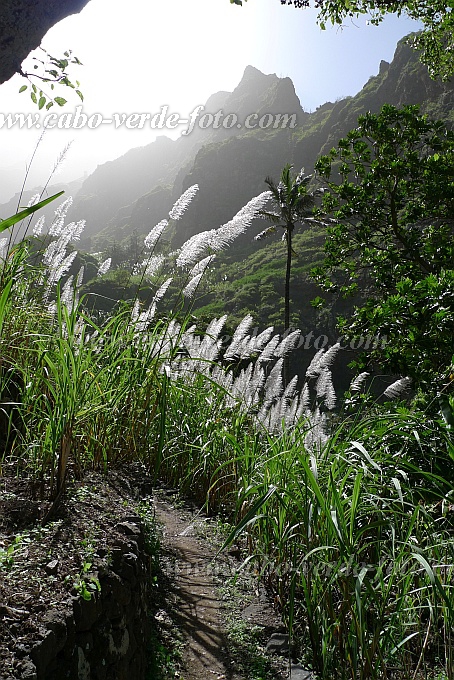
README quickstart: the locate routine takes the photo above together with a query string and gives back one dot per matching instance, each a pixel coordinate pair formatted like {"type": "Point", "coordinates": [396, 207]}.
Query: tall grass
{"type": "Point", "coordinates": [348, 519]}
{"type": "Point", "coordinates": [357, 544]}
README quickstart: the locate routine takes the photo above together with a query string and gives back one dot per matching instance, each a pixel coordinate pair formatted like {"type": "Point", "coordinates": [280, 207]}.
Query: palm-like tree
{"type": "Point", "coordinates": [292, 203]}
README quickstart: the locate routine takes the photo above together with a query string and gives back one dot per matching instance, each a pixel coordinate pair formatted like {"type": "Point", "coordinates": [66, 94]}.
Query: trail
{"type": "Point", "coordinates": [199, 611]}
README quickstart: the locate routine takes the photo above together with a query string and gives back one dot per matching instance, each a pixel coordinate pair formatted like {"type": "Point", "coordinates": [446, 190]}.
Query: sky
{"type": "Point", "coordinates": [141, 55]}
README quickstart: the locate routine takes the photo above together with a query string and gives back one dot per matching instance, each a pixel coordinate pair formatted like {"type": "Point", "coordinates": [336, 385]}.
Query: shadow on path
{"type": "Point", "coordinates": [193, 588]}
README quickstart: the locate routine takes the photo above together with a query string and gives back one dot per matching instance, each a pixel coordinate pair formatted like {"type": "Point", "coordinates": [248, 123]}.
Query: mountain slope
{"type": "Point", "coordinates": [230, 172]}
{"type": "Point", "coordinates": [112, 190]}
{"type": "Point", "coordinates": [135, 191]}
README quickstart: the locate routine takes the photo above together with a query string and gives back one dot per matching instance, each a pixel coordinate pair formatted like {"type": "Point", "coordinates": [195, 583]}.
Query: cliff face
{"type": "Point", "coordinates": [229, 174]}
{"type": "Point", "coordinates": [119, 183]}
{"type": "Point", "coordinates": [402, 82]}
{"type": "Point", "coordinates": [259, 93]}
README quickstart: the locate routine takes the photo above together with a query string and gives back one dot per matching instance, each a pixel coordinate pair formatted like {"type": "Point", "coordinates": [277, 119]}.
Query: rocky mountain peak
{"type": "Point", "coordinates": [260, 93]}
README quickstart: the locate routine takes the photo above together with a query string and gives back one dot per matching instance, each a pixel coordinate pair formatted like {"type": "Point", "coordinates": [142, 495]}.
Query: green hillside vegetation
{"type": "Point", "coordinates": [256, 284]}
{"type": "Point", "coordinates": [342, 505]}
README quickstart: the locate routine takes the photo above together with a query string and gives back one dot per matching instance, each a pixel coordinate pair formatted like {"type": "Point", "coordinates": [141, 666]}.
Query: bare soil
{"type": "Point", "coordinates": [43, 568]}
{"type": "Point", "coordinates": [198, 610]}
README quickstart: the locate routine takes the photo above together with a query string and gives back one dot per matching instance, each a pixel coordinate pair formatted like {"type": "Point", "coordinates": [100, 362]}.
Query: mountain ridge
{"type": "Point", "coordinates": [135, 191]}
{"type": "Point", "coordinates": [231, 164]}
{"type": "Point", "coordinates": [111, 187]}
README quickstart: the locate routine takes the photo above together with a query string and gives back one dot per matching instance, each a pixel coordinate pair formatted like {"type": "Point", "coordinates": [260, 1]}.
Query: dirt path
{"type": "Point", "coordinates": [199, 610]}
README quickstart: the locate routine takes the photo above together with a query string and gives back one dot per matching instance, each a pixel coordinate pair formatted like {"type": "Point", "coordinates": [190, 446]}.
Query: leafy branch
{"type": "Point", "coordinates": [53, 71]}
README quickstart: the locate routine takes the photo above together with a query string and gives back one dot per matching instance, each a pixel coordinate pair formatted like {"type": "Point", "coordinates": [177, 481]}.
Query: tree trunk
{"type": "Point", "coordinates": [288, 234]}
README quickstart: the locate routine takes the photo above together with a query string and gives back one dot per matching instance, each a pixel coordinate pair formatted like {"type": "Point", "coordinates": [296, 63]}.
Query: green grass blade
{"type": "Point", "coordinates": [10, 221]}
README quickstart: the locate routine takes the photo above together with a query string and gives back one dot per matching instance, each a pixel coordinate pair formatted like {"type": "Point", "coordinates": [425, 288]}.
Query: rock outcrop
{"type": "Point", "coordinates": [23, 24]}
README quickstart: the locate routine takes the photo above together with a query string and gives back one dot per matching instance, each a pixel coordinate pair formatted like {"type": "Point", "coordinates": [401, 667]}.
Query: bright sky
{"type": "Point", "coordinates": [141, 55]}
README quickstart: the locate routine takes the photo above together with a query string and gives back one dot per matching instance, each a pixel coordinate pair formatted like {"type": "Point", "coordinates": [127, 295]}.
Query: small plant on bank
{"type": "Point", "coordinates": [7, 554]}
{"type": "Point", "coordinates": [85, 585]}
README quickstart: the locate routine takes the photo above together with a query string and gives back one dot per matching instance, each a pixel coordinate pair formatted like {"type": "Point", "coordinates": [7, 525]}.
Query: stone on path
{"type": "Point", "coordinates": [299, 673]}
{"type": "Point", "coordinates": [278, 644]}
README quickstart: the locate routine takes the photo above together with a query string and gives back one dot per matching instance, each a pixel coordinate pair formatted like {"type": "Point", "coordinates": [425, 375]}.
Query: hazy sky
{"type": "Point", "coordinates": [141, 55]}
